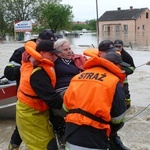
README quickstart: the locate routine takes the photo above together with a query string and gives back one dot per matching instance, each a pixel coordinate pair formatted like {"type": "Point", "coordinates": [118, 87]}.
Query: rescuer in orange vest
{"type": "Point", "coordinates": [105, 47]}
{"type": "Point", "coordinates": [36, 94]}
{"type": "Point", "coordinates": [95, 104]}
{"type": "Point", "coordinates": [12, 72]}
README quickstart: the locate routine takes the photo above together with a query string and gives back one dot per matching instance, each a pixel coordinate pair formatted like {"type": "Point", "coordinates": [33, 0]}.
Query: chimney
{"type": "Point", "coordinates": [119, 8]}
{"type": "Point", "coordinates": [131, 7]}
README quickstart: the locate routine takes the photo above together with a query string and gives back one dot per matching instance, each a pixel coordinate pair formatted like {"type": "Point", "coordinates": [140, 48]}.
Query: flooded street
{"type": "Point", "coordinates": [6, 129]}
{"type": "Point", "coordinates": [135, 133]}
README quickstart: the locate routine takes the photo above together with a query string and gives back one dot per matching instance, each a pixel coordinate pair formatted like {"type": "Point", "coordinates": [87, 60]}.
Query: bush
{"type": "Point", "coordinates": [90, 25]}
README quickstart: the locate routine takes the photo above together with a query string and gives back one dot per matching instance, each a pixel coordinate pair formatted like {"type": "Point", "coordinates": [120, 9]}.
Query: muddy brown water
{"type": "Point", "coordinates": [135, 133]}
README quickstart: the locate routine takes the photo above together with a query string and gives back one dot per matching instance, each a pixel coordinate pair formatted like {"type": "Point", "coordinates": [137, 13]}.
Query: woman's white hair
{"type": "Point", "coordinates": [59, 43]}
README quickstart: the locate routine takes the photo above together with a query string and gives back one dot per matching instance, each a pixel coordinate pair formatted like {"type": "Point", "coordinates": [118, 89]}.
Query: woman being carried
{"type": "Point", "coordinates": [67, 65]}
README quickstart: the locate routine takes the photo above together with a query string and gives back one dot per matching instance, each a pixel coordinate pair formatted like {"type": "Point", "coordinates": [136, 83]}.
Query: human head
{"type": "Point", "coordinates": [118, 44]}
{"type": "Point", "coordinates": [45, 35]}
{"type": "Point", "coordinates": [58, 36]}
{"type": "Point", "coordinates": [46, 49]}
{"type": "Point", "coordinates": [105, 47]}
{"type": "Point", "coordinates": [116, 59]}
{"type": "Point", "coordinates": [63, 45]}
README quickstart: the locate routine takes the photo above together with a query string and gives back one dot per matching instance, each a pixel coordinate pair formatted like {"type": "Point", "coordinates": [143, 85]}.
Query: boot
{"type": "Point", "coordinates": [128, 106]}
{"type": "Point", "coordinates": [115, 139]}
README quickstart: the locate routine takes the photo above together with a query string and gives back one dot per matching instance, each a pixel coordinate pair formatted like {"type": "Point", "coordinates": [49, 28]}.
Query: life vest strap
{"type": "Point", "coordinates": [87, 114]}
{"type": "Point", "coordinates": [34, 97]}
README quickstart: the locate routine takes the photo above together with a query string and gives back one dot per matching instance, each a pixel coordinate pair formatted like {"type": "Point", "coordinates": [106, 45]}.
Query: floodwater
{"type": "Point", "coordinates": [135, 134]}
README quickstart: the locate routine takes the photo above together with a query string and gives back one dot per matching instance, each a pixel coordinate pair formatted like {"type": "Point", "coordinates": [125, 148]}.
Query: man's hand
{"type": "Point", "coordinates": [25, 56]}
{"type": "Point", "coordinates": [34, 62]}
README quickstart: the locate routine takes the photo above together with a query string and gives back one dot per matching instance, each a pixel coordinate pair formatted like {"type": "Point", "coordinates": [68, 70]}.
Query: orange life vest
{"type": "Point", "coordinates": [25, 92]}
{"type": "Point", "coordinates": [91, 52]}
{"type": "Point", "coordinates": [91, 93]}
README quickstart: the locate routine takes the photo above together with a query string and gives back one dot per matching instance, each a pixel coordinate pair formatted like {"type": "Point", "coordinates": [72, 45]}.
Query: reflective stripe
{"type": "Point", "coordinates": [64, 107]}
{"type": "Point", "coordinates": [61, 89]}
{"type": "Point", "coordinates": [119, 119]}
{"type": "Point", "coordinates": [128, 99]}
{"type": "Point", "coordinates": [37, 68]}
{"type": "Point", "coordinates": [74, 147]}
{"type": "Point", "coordinates": [14, 63]}
{"type": "Point", "coordinates": [132, 68]}
{"type": "Point", "coordinates": [11, 65]}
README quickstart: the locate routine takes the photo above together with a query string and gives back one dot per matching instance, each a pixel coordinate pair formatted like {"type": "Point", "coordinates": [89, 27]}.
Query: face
{"type": "Point", "coordinates": [101, 54]}
{"type": "Point", "coordinates": [38, 41]}
{"type": "Point", "coordinates": [50, 56]}
{"type": "Point", "coordinates": [66, 51]}
{"type": "Point", "coordinates": [119, 47]}
{"type": "Point", "coordinates": [52, 39]}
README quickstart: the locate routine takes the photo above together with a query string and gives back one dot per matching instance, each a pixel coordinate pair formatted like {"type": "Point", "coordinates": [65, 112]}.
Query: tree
{"type": "Point", "coordinates": [20, 10]}
{"type": "Point", "coordinates": [77, 26]}
{"type": "Point", "coordinates": [56, 16]}
{"type": "Point", "coordinates": [92, 24]}
{"type": "Point", "coordinates": [3, 25]}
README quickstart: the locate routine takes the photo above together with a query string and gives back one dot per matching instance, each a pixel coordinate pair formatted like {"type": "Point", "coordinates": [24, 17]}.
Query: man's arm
{"type": "Point", "coordinates": [12, 70]}
{"type": "Point", "coordinates": [17, 55]}
{"type": "Point", "coordinates": [118, 109]}
{"type": "Point", "coordinates": [41, 84]}
{"type": "Point", "coordinates": [126, 57]}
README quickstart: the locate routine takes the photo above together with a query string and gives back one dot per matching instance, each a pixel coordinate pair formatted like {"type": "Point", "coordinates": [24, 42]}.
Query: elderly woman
{"type": "Point", "coordinates": [67, 65]}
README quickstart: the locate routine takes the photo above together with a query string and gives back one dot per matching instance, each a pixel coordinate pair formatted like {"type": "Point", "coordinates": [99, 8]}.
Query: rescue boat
{"type": "Point", "coordinates": [7, 99]}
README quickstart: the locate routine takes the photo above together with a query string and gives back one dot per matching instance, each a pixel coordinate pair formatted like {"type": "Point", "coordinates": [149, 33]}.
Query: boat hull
{"type": "Point", "coordinates": [8, 101]}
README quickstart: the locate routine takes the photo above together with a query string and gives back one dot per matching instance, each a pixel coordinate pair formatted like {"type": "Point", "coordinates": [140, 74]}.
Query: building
{"type": "Point", "coordinates": [127, 21]}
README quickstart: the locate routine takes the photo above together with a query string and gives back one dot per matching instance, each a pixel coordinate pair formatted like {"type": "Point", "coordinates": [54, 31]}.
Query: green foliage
{"type": "Point", "coordinates": [3, 25]}
{"type": "Point", "coordinates": [90, 25]}
{"type": "Point", "coordinates": [50, 14]}
{"type": "Point", "coordinates": [19, 10]}
{"type": "Point", "coordinates": [77, 26]}
{"type": "Point", "coordinates": [56, 16]}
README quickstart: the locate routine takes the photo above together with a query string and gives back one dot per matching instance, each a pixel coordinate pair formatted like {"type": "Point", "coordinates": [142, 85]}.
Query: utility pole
{"type": "Point", "coordinates": [97, 24]}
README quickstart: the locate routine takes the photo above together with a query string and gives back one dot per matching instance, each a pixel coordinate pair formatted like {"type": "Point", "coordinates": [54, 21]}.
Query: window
{"type": "Point", "coordinates": [143, 27]}
{"type": "Point", "coordinates": [105, 29]}
{"type": "Point", "coordinates": [117, 28]}
{"type": "Point", "coordinates": [125, 27]}
{"type": "Point", "coordinates": [147, 15]}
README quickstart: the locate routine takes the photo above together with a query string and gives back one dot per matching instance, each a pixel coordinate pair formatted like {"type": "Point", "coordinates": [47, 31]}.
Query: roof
{"type": "Point", "coordinates": [128, 14]}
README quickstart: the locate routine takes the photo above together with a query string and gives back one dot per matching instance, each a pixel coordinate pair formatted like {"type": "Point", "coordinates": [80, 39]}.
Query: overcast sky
{"type": "Point", "coordinates": [86, 9]}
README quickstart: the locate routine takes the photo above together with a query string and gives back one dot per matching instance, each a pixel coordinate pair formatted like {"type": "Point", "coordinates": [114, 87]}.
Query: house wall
{"type": "Point", "coordinates": [117, 26]}
{"type": "Point", "coordinates": [142, 24]}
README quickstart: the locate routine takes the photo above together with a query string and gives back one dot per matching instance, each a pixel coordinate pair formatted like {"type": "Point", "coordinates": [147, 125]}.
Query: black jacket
{"type": "Point", "coordinates": [12, 71]}
{"type": "Point", "coordinates": [126, 57]}
{"type": "Point", "coordinates": [41, 84]}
